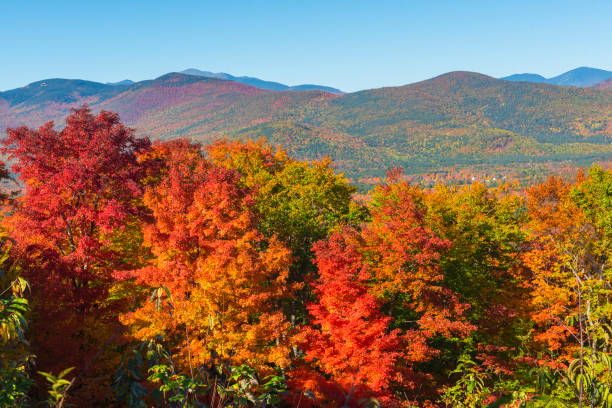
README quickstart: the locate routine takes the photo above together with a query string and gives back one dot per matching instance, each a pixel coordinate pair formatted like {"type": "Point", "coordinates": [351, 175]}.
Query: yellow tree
{"type": "Point", "coordinates": [571, 291]}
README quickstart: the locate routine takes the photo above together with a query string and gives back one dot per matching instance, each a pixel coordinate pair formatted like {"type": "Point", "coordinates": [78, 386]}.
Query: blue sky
{"type": "Point", "coordinates": [350, 45]}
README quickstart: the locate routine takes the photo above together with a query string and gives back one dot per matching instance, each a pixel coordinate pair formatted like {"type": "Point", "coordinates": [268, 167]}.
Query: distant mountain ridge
{"type": "Point", "coordinates": [579, 77]}
{"type": "Point", "coordinates": [260, 83]}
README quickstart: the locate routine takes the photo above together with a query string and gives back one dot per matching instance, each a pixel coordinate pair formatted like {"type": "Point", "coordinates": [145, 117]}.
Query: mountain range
{"type": "Point", "coordinates": [459, 120]}
{"type": "Point", "coordinates": [580, 77]}
{"type": "Point", "coordinates": [256, 82]}
{"type": "Point", "coordinates": [260, 83]}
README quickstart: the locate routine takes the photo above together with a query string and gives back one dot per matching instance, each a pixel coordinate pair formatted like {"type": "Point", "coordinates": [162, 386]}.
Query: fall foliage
{"type": "Point", "coordinates": [171, 274]}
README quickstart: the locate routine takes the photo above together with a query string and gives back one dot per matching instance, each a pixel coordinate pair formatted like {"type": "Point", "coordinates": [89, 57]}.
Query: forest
{"type": "Point", "coordinates": [139, 273]}
{"type": "Point", "coordinates": [467, 122]}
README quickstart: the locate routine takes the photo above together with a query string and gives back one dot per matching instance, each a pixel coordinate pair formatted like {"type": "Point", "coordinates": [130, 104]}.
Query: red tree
{"type": "Point", "coordinates": [75, 222]}
{"type": "Point", "coordinates": [351, 343]}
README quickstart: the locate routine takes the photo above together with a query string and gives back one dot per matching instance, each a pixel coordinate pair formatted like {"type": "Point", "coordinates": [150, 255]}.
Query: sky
{"type": "Point", "coordinates": [350, 45]}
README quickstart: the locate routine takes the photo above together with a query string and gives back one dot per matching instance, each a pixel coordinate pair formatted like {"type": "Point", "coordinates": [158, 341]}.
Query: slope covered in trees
{"type": "Point", "coordinates": [138, 274]}
{"type": "Point", "coordinates": [460, 120]}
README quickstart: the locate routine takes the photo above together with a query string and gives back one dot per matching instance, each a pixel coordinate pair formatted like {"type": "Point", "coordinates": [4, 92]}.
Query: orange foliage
{"type": "Point", "coordinates": [225, 285]}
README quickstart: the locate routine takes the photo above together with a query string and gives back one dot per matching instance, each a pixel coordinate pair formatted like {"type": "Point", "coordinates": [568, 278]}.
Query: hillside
{"type": "Point", "coordinates": [459, 120]}
{"type": "Point", "coordinates": [607, 84]}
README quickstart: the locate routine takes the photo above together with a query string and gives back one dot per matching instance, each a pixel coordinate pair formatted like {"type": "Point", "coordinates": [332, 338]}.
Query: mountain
{"type": "Point", "coordinates": [526, 78]}
{"type": "Point", "coordinates": [580, 77]}
{"type": "Point", "coordinates": [583, 76]}
{"type": "Point", "coordinates": [456, 122]}
{"type": "Point", "coordinates": [607, 84]}
{"type": "Point", "coordinates": [259, 83]}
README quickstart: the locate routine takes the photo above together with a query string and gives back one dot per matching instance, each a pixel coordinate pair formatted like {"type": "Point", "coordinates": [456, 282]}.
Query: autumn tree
{"type": "Point", "coordinates": [224, 283]}
{"type": "Point", "coordinates": [404, 253]}
{"type": "Point", "coordinates": [301, 202]}
{"type": "Point", "coordinates": [77, 208]}
{"type": "Point", "coordinates": [349, 341]}
{"type": "Point", "coordinates": [556, 231]}
{"type": "Point", "coordinates": [392, 263]}
{"type": "Point", "coordinates": [569, 262]}
{"type": "Point", "coordinates": [483, 267]}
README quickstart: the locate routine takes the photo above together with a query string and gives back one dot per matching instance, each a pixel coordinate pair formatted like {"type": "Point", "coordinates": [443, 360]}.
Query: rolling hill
{"type": "Point", "coordinates": [459, 120]}
{"type": "Point", "coordinates": [580, 77]}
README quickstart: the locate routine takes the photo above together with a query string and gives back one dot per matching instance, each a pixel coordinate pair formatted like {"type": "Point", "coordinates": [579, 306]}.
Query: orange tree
{"type": "Point", "coordinates": [570, 299]}
{"type": "Point", "coordinates": [219, 284]}
{"type": "Point", "coordinates": [349, 341]}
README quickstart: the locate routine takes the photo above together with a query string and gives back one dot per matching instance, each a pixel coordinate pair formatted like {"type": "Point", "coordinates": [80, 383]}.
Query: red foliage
{"type": "Point", "coordinates": [351, 342]}
{"type": "Point", "coordinates": [81, 186]}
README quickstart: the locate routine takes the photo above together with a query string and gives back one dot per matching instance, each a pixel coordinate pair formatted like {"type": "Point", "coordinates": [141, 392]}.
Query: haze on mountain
{"type": "Point", "coordinates": [579, 77]}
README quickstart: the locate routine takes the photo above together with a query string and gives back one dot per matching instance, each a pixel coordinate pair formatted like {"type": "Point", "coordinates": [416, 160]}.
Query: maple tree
{"type": "Point", "coordinates": [404, 253]}
{"type": "Point", "coordinates": [392, 263]}
{"type": "Point", "coordinates": [349, 339]}
{"type": "Point", "coordinates": [483, 267]}
{"type": "Point", "coordinates": [81, 186]}
{"type": "Point", "coordinates": [557, 227]}
{"type": "Point", "coordinates": [224, 283]}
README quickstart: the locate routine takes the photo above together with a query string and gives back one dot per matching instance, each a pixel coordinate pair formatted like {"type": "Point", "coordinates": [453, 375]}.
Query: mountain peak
{"type": "Point", "coordinates": [460, 77]}
{"type": "Point", "coordinates": [526, 77]}
{"type": "Point", "coordinates": [119, 83]}
{"type": "Point", "coordinates": [463, 75]}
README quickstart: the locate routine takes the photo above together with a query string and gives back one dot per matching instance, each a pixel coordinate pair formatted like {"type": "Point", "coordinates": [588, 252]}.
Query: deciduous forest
{"type": "Point", "coordinates": [136, 273]}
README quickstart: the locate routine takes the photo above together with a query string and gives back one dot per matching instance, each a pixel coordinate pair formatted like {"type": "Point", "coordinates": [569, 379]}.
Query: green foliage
{"type": "Point", "coordinates": [470, 390]}
{"type": "Point", "coordinates": [59, 386]}
{"type": "Point", "coordinates": [12, 319]}
{"type": "Point", "coordinates": [591, 379]}
{"type": "Point", "coordinates": [240, 388]}
{"type": "Point", "coordinates": [15, 360]}
{"type": "Point", "coordinates": [15, 383]}
{"type": "Point", "coordinates": [129, 384]}
{"type": "Point", "coordinates": [545, 388]}
{"type": "Point", "coordinates": [244, 389]}
{"type": "Point", "coordinates": [177, 390]}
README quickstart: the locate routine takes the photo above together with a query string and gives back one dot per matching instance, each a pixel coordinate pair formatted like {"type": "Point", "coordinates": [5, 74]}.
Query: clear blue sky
{"type": "Point", "coordinates": [349, 44]}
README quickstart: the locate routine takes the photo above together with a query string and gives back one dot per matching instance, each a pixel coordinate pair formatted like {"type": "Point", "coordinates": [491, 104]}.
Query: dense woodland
{"type": "Point", "coordinates": [170, 274]}
{"type": "Point", "coordinates": [457, 121]}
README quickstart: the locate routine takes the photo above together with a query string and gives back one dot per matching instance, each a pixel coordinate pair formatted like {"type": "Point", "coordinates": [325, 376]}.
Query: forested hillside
{"type": "Point", "coordinates": [463, 121]}
{"type": "Point", "coordinates": [173, 274]}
